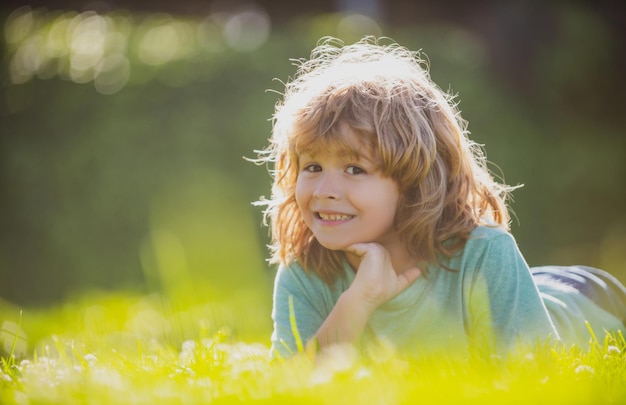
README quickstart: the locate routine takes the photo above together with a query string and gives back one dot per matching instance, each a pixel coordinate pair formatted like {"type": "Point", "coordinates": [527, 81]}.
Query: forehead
{"type": "Point", "coordinates": [352, 152]}
{"type": "Point", "coordinates": [344, 143]}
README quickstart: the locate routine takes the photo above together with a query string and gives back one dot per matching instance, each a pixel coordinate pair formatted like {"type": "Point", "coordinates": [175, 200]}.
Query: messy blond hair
{"type": "Point", "coordinates": [384, 94]}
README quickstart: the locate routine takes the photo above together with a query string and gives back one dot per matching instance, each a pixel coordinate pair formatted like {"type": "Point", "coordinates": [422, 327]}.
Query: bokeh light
{"type": "Point", "coordinates": [106, 50]}
{"type": "Point", "coordinates": [352, 27]}
{"type": "Point", "coordinates": [246, 30]}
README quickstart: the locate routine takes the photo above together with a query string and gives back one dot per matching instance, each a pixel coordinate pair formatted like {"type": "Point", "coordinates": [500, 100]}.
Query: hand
{"type": "Point", "coordinates": [376, 280]}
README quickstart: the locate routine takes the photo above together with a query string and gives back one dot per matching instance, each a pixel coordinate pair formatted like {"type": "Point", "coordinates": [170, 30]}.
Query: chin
{"type": "Point", "coordinates": [335, 246]}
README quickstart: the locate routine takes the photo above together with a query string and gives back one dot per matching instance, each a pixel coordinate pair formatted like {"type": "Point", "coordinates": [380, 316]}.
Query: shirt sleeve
{"type": "Point", "coordinates": [504, 303]}
{"type": "Point", "coordinates": [299, 309]}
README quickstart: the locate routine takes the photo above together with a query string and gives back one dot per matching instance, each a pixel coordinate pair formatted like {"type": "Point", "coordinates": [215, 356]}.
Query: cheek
{"type": "Point", "coordinates": [301, 195]}
{"type": "Point", "coordinates": [392, 210]}
{"type": "Point", "coordinates": [381, 201]}
{"type": "Point", "coordinates": [393, 203]}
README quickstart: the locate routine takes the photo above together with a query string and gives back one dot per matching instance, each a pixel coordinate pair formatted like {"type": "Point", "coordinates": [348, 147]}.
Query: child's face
{"type": "Point", "coordinates": [345, 199]}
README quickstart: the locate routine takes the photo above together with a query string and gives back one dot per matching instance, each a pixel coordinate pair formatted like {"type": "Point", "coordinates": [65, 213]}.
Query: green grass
{"type": "Point", "coordinates": [145, 350]}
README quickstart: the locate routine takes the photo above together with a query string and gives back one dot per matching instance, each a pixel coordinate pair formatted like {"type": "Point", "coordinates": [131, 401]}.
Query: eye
{"type": "Point", "coordinates": [354, 170]}
{"type": "Point", "coordinates": [312, 168]}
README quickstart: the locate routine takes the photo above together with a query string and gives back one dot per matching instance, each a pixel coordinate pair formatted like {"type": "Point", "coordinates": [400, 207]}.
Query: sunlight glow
{"type": "Point", "coordinates": [19, 25]}
{"type": "Point", "coordinates": [354, 26]}
{"type": "Point", "coordinates": [159, 45]}
{"type": "Point", "coordinates": [247, 30]}
{"type": "Point", "coordinates": [112, 73]}
{"type": "Point", "coordinates": [103, 48]}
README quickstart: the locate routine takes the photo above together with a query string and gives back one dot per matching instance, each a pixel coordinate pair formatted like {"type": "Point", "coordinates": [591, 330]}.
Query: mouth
{"type": "Point", "coordinates": [333, 217]}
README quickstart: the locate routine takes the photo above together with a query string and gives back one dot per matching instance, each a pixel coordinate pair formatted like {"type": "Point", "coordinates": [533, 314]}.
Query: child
{"type": "Point", "coordinates": [389, 230]}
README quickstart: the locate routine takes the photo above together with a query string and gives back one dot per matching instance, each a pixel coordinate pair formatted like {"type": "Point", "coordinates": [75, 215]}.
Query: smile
{"type": "Point", "coordinates": [334, 217]}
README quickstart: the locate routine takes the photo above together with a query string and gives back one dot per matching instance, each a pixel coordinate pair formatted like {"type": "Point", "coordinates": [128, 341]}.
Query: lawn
{"type": "Point", "coordinates": [145, 350]}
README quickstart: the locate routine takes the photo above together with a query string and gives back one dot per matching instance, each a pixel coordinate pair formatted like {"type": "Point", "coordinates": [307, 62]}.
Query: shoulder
{"type": "Point", "coordinates": [487, 238]}
{"type": "Point", "coordinates": [294, 276]}
{"type": "Point", "coordinates": [293, 279]}
{"type": "Point", "coordinates": [491, 252]}
{"type": "Point", "coordinates": [293, 272]}
{"type": "Point", "coordinates": [488, 233]}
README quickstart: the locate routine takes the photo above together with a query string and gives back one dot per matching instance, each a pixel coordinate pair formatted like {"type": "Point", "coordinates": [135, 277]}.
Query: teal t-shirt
{"type": "Point", "coordinates": [489, 302]}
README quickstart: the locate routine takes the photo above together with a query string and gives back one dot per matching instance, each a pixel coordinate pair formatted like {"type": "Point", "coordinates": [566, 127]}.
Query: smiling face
{"type": "Point", "coordinates": [344, 199]}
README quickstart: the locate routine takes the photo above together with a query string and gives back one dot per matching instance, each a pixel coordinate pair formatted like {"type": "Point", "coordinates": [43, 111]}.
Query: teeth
{"type": "Point", "coordinates": [334, 217]}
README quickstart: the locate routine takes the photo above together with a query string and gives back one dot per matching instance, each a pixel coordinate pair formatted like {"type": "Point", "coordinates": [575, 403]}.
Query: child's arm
{"type": "Point", "coordinates": [505, 308]}
{"type": "Point", "coordinates": [376, 282]}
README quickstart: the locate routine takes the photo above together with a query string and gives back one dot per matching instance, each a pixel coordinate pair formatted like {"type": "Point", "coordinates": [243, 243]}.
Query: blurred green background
{"type": "Point", "coordinates": [124, 131]}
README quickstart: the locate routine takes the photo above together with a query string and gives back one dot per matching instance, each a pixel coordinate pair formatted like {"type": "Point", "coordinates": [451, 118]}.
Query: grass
{"type": "Point", "coordinates": [97, 351]}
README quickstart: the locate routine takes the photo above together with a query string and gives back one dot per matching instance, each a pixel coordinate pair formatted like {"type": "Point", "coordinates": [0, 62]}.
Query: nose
{"type": "Point", "coordinates": [327, 186]}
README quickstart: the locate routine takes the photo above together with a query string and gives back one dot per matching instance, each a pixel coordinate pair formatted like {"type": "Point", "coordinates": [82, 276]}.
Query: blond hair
{"type": "Point", "coordinates": [384, 94]}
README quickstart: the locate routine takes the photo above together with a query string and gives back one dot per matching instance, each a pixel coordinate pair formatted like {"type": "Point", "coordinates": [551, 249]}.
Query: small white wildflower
{"type": "Point", "coordinates": [108, 377]}
{"type": "Point", "coordinates": [332, 360]}
{"type": "Point", "coordinates": [25, 364]}
{"type": "Point", "coordinates": [362, 372]}
{"type": "Point", "coordinates": [4, 377]}
{"type": "Point", "coordinates": [584, 369]}
{"type": "Point", "coordinates": [321, 376]}
{"type": "Point", "coordinates": [338, 357]}
{"type": "Point", "coordinates": [613, 350]}
{"type": "Point", "coordinates": [46, 362]}
{"type": "Point", "coordinates": [90, 358]}
{"type": "Point", "coordinates": [189, 346]}
{"type": "Point", "coordinates": [187, 352]}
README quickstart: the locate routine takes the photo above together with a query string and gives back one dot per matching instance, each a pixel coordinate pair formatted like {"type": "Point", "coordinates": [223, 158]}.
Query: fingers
{"type": "Point", "coordinates": [361, 249]}
{"type": "Point", "coordinates": [358, 249]}
{"type": "Point", "coordinates": [376, 280]}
